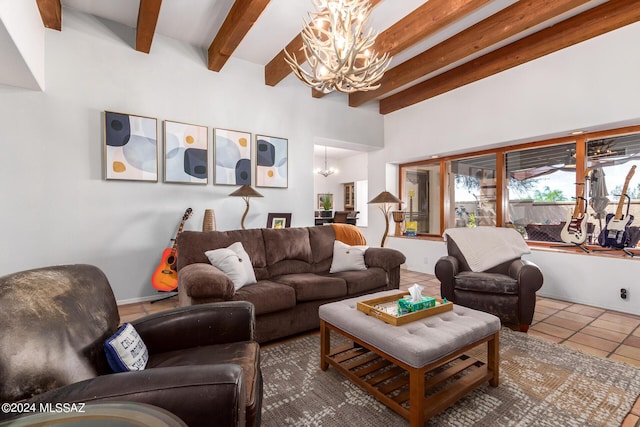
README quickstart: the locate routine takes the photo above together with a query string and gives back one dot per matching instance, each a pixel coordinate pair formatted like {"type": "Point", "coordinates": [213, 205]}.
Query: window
{"type": "Point", "coordinates": [472, 191]}
{"type": "Point", "coordinates": [421, 194]}
{"type": "Point", "coordinates": [541, 190]}
{"type": "Point", "coordinates": [538, 187]}
{"type": "Point", "coordinates": [611, 161]}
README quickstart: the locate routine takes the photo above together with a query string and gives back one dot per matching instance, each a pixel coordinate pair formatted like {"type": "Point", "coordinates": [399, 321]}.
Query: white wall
{"type": "Point", "coordinates": [355, 169]}
{"type": "Point", "coordinates": [382, 176]}
{"type": "Point", "coordinates": [21, 45]}
{"type": "Point", "coordinates": [591, 85]}
{"type": "Point", "coordinates": [327, 185]}
{"type": "Point", "coordinates": [56, 206]}
{"type": "Point", "coordinates": [350, 169]}
{"type": "Point", "coordinates": [362, 201]}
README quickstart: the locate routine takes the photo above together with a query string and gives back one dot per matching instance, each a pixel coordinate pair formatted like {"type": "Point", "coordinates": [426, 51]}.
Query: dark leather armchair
{"type": "Point", "coordinates": [507, 290]}
{"type": "Point", "coordinates": [204, 365]}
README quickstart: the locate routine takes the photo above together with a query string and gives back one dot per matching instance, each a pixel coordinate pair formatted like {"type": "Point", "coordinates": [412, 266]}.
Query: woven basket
{"type": "Point", "coordinates": [398, 216]}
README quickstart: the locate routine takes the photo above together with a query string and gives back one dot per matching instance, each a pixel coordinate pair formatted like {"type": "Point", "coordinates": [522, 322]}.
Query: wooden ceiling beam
{"type": "Point", "coordinates": [506, 23]}
{"type": "Point", "coordinates": [277, 69]}
{"type": "Point", "coordinates": [51, 13]}
{"type": "Point", "coordinates": [599, 20]}
{"type": "Point", "coordinates": [424, 21]}
{"type": "Point", "coordinates": [148, 13]}
{"type": "Point", "coordinates": [241, 17]}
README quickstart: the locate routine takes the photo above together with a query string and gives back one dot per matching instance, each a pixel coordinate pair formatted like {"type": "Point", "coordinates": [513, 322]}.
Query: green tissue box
{"type": "Point", "coordinates": [406, 306]}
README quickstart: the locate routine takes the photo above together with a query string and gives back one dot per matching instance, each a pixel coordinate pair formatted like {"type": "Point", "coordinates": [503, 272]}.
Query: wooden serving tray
{"type": "Point", "coordinates": [369, 307]}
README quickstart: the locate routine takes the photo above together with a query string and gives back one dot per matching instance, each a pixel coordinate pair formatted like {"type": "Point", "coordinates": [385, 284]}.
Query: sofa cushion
{"type": "Point", "coordinates": [192, 246]}
{"type": "Point", "coordinates": [245, 260]}
{"type": "Point", "coordinates": [321, 239]}
{"type": "Point", "coordinates": [486, 282]}
{"type": "Point", "coordinates": [312, 287]}
{"type": "Point", "coordinates": [503, 306]}
{"type": "Point", "coordinates": [235, 263]}
{"type": "Point", "coordinates": [287, 250]}
{"type": "Point", "coordinates": [347, 258]}
{"type": "Point", "coordinates": [230, 264]}
{"type": "Point", "coordinates": [364, 280]}
{"type": "Point", "coordinates": [203, 280]}
{"type": "Point", "coordinates": [267, 296]}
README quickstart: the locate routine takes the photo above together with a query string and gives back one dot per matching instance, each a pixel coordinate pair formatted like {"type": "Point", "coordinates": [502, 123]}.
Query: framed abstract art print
{"type": "Point", "coordinates": [185, 153]}
{"type": "Point", "coordinates": [272, 162]}
{"type": "Point", "coordinates": [232, 157]}
{"type": "Point", "coordinates": [130, 147]}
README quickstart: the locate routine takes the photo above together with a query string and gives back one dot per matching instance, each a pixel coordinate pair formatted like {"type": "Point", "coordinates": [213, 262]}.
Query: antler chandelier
{"type": "Point", "coordinates": [337, 49]}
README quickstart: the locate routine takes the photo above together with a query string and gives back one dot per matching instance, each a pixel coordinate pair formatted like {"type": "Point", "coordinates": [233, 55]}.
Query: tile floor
{"type": "Point", "coordinates": [596, 331]}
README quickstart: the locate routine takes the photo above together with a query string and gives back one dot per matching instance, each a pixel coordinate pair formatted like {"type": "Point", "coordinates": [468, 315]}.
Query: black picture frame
{"type": "Point", "coordinates": [279, 220]}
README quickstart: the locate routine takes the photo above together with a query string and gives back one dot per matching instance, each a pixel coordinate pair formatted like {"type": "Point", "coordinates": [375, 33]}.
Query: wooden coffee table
{"type": "Point", "coordinates": [418, 369]}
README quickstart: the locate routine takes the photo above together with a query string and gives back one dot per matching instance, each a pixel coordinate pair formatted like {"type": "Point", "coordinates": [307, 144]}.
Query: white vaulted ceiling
{"type": "Point", "coordinates": [437, 45]}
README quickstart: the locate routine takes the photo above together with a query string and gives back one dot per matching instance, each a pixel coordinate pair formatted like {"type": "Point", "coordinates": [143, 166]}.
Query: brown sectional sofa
{"type": "Point", "coordinates": [292, 269]}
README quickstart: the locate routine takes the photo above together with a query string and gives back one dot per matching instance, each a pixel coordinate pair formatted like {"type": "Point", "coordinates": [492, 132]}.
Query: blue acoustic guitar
{"type": "Point", "coordinates": [616, 232]}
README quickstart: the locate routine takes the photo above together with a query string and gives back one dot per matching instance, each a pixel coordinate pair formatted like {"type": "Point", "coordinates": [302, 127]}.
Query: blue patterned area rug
{"type": "Point", "coordinates": [541, 384]}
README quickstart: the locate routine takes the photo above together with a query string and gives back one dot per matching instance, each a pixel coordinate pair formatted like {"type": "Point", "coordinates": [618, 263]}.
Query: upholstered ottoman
{"type": "Point", "coordinates": [417, 369]}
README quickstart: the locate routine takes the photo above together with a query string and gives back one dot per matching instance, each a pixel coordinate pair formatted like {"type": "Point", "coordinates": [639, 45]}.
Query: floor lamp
{"type": "Point", "coordinates": [245, 192]}
{"type": "Point", "coordinates": [384, 199]}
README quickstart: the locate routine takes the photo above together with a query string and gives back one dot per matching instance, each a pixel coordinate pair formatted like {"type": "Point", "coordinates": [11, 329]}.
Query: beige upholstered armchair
{"type": "Point", "coordinates": [484, 271]}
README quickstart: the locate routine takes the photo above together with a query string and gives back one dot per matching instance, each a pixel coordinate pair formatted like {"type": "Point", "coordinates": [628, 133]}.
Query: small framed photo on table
{"type": "Point", "coordinates": [279, 220]}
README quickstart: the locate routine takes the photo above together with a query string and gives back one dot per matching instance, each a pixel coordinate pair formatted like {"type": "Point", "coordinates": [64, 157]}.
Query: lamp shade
{"type": "Point", "coordinates": [246, 191]}
{"type": "Point", "coordinates": [385, 197]}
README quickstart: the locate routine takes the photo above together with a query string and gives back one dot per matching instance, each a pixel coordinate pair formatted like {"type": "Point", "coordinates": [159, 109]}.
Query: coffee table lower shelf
{"type": "Point", "coordinates": [416, 394]}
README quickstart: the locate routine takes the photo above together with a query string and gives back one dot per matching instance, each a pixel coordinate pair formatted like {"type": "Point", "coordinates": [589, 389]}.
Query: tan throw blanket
{"type": "Point", "coordinates": [349, 234]}
{"type": "Point", "coordinates": [486, 247]}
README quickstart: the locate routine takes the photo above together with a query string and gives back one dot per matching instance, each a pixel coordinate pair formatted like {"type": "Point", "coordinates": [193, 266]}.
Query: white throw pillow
{"type": "Point", "coordinates": [347, 258]}
{"type": "Point", "coordinates": [229, 263]}
{"type": "Point", "coordinates": [125, 350]}
{"type": "Point", "coordinates": [245, 261]}
{"type": "Point", "coordinates": [234, 262]}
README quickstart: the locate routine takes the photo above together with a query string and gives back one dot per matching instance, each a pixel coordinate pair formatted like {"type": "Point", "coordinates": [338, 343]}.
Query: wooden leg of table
{"type": "Point", "coordinates": [416, 397]}
{"type": "Point", "coordinates": [325, 344]}
{"type": "Point", "coordinates": [493, 358]}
